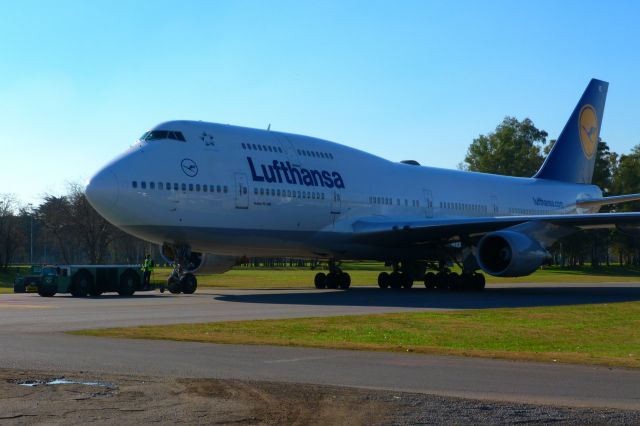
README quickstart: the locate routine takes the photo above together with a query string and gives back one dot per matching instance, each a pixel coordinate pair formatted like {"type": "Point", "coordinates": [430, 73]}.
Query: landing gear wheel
{"type": "Point", "coordinates": [395, 280]}
{"type": "Point", "coordinates": [442, 281]}
{"type": "Point", "coordinates": [189, 283]}
{"type": "Point", "coordinates": [478, 282]}
{"type": "Point", "coordinates": [407, 282]}
{"type": "Point", "coordinates": [129, 282]}
{"type": "Point", "coordinates": [383, 280]}
{"type": "Point", "coordinates": [430, 280]}
{"type": "Point", "coordinates": [332, 280]}
{"type": "Point", "coordinates": [174, 286]}
{"type": "Point", "coordinates": [344, 280]}
{"type": "Point", "coordinates": [80, 283]}
{"type": "Point", "coordinates": [320, 280]}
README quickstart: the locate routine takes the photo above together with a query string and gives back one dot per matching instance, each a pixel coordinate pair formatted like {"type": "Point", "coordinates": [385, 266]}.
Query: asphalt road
{"type": "Point", "coordinates": [31, 337]}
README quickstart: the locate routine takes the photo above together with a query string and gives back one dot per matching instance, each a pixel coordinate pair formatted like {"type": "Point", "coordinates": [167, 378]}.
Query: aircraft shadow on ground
{"type": "Point", "coordinates": [433, 299]}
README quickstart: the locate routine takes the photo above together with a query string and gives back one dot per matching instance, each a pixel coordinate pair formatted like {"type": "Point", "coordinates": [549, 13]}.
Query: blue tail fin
{"type": "Point", "coordinates": [574, 153]}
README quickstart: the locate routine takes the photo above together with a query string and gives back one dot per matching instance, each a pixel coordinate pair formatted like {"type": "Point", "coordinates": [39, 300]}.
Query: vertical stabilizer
{"type": "Point", "coordinates": [574, 153]}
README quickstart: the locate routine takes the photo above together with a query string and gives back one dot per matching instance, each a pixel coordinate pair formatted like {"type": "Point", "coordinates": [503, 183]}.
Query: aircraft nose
{"type": "Point", "coordinates": [102, 190]}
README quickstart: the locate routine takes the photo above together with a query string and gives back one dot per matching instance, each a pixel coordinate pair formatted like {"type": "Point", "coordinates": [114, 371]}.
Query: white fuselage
{"type": "Point", "coordinates": [220, 191]}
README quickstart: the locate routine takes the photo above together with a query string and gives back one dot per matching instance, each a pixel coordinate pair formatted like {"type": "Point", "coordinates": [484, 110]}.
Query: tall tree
{"type": "Point", "coordinates": [513, 149]}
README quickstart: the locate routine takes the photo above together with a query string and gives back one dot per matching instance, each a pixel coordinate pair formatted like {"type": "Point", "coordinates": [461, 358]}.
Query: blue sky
{"type": "Point", "coordinates": [81, 80]}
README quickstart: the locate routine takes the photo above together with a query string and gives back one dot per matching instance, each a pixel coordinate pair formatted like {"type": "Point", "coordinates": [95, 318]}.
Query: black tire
{"type": "Point", "coordinates": [46, 291]}
{"type": "Point", "coordinates": [129, 282]}
{"type": "Point", "coordinates": [440, 281]}
{"type": "Point", "coordinates": [332, 280]}
{"type": "Point", "coordinates": [395, 280]}
{"type": "Point", "coordinates": [81, 282]}
{"type": "Point", "coordinates": [383, 280]}
{"type": "Point", "coordinates": [430, 280]}
{"type": "Point", "coordinates": [407, 282]}
{"type": "Point", "coordinates": [320, 280]}
{"type": "Point", "coordinates": [19, 288]}
{"type": "Point", "coordinates": [479, 282]}
{"type": "Point", "coordinates": [174, 287]}
{"type": "Point", "coordinates": [344, 280]}
{"type": "Point", "coordinates": [189, 283]}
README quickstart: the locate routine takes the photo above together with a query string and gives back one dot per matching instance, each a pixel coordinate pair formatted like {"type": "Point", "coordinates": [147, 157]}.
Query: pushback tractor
{"type": "Point", "coordinates": [83, 280]}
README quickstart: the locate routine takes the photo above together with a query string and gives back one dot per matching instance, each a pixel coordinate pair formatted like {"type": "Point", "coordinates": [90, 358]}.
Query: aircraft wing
{"type": "Point", "coordinates": [402, 232]}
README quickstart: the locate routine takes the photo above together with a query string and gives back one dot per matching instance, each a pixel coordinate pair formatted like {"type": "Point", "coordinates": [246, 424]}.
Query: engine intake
{"type": "Point", "coordinates": [510, 254]}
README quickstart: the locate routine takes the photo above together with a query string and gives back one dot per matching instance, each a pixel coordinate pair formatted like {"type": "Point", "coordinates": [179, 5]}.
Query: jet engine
{"type": "Point", "coordinates": [193, 261]}
{"type": "Point", "coordinates": [510, 254]}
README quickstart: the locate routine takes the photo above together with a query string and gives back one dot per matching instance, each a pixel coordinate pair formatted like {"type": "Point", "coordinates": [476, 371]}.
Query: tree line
{"type": "Point", "coordinates": [63, 229]}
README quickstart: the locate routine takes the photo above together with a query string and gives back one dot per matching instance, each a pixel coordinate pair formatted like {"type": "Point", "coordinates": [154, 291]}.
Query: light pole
{"type": "Point", "coordinates": [31, 225]}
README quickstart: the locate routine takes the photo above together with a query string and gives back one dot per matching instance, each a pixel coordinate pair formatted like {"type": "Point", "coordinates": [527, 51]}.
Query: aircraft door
{"type": "Point", "coordinates": [428, 200]}
{"type": "Point", "coordinates": [241, 191]}
{"type": "Point", "coordinates": [336, 203]}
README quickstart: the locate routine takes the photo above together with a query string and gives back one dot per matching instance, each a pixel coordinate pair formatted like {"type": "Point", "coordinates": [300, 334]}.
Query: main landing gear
{"type": "Point", "coordinates": [336, 278]}
{"type": "Point", "coordinates": [404, 277]}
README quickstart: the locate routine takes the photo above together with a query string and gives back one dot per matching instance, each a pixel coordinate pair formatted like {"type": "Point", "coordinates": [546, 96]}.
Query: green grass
{"type": "Point", "coordinates": [605, 334]}
{"type": "Point", "coordinates": [367, 274]}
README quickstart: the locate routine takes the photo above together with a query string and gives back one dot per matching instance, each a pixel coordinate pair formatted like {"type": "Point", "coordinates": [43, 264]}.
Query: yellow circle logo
{"type": "Point", "coordinates": [588, 122]}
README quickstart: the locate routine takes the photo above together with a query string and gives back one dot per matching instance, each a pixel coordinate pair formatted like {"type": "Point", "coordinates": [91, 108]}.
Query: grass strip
{"type": "Point", "coordinates": [603, 334]}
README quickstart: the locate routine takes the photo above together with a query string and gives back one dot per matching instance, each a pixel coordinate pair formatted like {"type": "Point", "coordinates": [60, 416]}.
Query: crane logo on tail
{"type": "Point", "coordinates": [588, 128]}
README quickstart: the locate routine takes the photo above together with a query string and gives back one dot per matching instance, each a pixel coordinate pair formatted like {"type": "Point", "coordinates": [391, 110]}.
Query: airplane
{"type": "Point", "coordinates": [211, 194]}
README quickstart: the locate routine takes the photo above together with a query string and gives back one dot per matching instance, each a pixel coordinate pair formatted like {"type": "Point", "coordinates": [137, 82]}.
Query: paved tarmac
{"type": "Point", "coordinates": [31, 338]}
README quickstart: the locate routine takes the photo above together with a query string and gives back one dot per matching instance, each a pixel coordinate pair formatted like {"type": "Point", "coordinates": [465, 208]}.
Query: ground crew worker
{"type": "Point", "coordinates": [147, 268]}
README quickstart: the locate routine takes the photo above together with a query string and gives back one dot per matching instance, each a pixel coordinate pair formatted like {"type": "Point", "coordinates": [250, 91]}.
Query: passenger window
{"type": "Point", "coordinates": [134, 184]}
{"type": "Point", "coordinates": [244, 190]}
{"type": "Point", "coordinates": [211, 188]}
{"type": "Point", "coordinates": [219, 188]}
{"type": "Point", "coordinates": [261, 191]}
{"type": "Point", "coordinates": [168, 186]}
{"type": "Point", "coordinates": [143, 185]}
{"type": "Point", "coordinates": [152, 185]}
{"type": "Point", "coordinates": [160, 186]}
{"type": "Point", "coordinates": [190, 187]}
{"type": "Point", "coordinates": [270, 149]}
{"type": "Point", "coordinates": [175, 186]}
{"type": "Point", "coordinates": [254, 147]}
{"type": "Point", "coordinates": [273, 192]}
{"type": "Point", "coordinates": [184, 186]}
{"type": "Point", "coordinates": [204, 188]}
{"type": "Point", "coordinates": [225, 189]}
{"type": "Point", "coordinates": [197, 187]}
{"type": "Point", "coordinates": [244, 146]}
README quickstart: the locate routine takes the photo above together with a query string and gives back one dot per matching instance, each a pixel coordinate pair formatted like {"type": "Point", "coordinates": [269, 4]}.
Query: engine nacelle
{"type": "Point", "coordinates": [510, 254]}
{"type": "Point", "coordinates": [193, 261]}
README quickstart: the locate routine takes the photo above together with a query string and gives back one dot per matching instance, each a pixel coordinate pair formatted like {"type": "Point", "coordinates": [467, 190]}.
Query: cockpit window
{"type": "Point", "coordinates": [155, 135]}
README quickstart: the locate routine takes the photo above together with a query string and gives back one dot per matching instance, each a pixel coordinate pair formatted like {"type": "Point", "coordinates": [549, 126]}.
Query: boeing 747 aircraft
{"type": "Point", "coordinates": [210, 194]}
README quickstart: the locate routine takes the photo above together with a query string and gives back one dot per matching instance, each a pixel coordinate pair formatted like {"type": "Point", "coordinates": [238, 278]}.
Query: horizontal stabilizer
{"type": "Point", "coordinates": [605, 201]}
